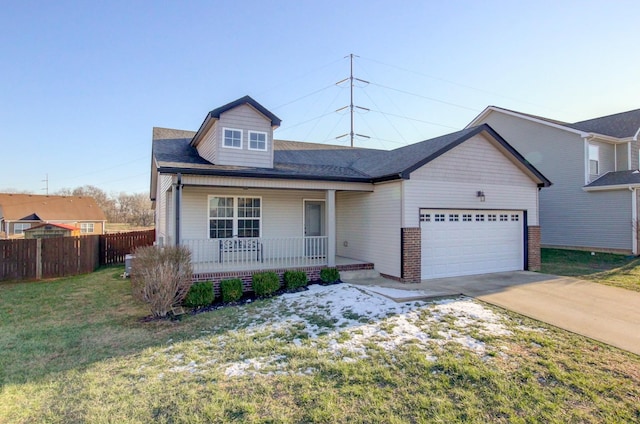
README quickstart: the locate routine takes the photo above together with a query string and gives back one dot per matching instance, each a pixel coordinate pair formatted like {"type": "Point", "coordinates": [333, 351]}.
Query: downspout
{"type": "Point", "coordinates": [178, 206]}
{"type": "Point", "coordinates": [634, 221]}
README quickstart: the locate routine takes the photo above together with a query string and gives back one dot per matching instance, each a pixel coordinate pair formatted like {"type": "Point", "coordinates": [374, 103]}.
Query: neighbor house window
{"type": "Point", "coordinates": [257, 140]}
{"type": "Point", "coordinates": [234, 217]}
{"type": "Point", "coordinates": [594, 168]}
{"type": "Point", "coordinates": [232, 138]}
{"type": "Point", "coordinates": [19, 227]}
{"type": "Point", "coordinates": [86, 227]}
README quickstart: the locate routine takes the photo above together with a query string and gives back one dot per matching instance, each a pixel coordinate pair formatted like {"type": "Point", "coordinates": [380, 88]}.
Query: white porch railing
{"type": "Point", "coordinates": [235, 254]}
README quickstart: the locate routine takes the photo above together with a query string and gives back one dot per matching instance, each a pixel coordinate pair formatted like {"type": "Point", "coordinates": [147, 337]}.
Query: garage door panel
{"type": "Point", "coordinates": [465, 242]}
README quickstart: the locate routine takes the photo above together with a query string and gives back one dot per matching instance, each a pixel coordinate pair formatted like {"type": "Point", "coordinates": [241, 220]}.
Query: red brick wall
{"type": "Point", "coordinates": [411, 255]}
{"type": "Point", "coordinates": [533, 259]}
{"type": "Point", "coordinates": [313, 273]}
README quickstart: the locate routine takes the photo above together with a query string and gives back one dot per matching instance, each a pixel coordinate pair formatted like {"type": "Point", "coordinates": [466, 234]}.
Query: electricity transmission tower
{"type": "Point", "coordinates": [351, 106]}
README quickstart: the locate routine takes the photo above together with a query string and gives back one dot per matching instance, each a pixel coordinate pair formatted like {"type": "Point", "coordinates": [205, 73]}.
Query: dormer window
{"type": "Point", "coordinates": [257, 140]}
{"type": "Point", "coordinates": [594, 162]}
{"type": "Point", "coordinates": [232, 138]}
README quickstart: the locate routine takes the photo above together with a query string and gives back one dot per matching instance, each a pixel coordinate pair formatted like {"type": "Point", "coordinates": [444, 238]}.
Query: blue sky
{"type": "Point", "coordinates": [82, 83]}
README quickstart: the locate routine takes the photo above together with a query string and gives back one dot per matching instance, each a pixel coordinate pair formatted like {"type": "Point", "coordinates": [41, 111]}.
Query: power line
{"type": "Point", "coordinates": [426, 97]}
{"type": "Point", "coordinates": [457, 83]}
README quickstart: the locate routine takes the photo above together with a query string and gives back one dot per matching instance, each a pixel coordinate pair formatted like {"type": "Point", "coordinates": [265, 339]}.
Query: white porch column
{"type": "Point", "coordinates": [331, 227]}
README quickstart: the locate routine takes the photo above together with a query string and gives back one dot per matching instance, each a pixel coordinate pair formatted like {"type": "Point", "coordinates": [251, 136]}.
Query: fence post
{"type": "Point", "coordinates": [39, 259]}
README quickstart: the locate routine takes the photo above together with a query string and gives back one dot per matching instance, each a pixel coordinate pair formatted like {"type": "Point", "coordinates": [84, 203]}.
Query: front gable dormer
{"type": "Point", "coordinates": [238, 134]}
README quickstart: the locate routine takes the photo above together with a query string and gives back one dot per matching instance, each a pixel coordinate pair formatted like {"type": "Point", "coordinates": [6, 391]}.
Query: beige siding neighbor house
{"type": "Point", "coordinates": [19, 212]}
{"type": "Point", "coordinates": [593, 203]}
{"type": "Point", "coordinates": [463, 203]}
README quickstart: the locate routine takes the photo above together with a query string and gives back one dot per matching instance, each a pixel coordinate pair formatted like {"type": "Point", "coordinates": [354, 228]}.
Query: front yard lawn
{"type": "Point", "coordinates": [75, 350]}
{"type": "Point", "coordinates": [605, 268]}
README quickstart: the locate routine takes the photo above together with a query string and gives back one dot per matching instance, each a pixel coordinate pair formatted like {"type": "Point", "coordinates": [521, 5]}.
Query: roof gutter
{"type": "Point", "coordinates": [613, 187]}
{"type": "Point", "coordinates": [241, 174]}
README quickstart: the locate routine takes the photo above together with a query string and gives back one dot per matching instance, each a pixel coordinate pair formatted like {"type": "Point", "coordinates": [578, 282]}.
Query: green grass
{"type": "Point", "coordinates": [75, 350]}
{"type": "Point", "coordinates": [604, 268]}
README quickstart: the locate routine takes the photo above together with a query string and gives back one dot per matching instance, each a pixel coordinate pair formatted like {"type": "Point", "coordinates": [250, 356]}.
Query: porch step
{"type": "Point", "coordinates": [362, 274]}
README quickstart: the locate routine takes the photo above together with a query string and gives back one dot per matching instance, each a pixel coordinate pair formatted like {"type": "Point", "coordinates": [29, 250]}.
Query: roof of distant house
{"type": "Point", "coordinates": [15, 207]}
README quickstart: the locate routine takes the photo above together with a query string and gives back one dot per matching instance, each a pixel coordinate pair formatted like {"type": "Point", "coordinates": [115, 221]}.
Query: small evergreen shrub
{"type": "Point", "coordinates": [200, 294]}
{"type": "Point", "coordinates": [295, 279]}
{"type": "Point", "coordinates": [265, 283]}
{"type": "Point", "coordinates": [329, 275]}
{"type": "Point", "coordinates": [231, 290]}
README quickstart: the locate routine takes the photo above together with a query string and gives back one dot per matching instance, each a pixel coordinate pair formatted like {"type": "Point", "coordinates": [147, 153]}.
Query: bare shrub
{"type": "Point", "coordinates": [161, 277]}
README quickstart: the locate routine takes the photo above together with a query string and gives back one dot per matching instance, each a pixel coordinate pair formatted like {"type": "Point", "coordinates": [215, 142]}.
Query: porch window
{"type": "Point", "coordinates": [234, 217]}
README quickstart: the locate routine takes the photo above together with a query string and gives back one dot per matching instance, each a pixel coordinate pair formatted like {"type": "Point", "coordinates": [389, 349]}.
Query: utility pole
{"type": "Point", "coordinates": [351, 105]}
{"type": "Point", "coordinates": [46, 180]}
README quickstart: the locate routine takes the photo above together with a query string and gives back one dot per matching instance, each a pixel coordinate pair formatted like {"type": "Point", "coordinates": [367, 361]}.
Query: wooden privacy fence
{"type": "Point", "coordinates": [63, 256]}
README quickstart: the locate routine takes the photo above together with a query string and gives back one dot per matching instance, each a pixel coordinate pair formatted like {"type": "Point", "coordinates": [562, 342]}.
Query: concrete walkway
{"type": "Point", "coordinates": [608, 314]}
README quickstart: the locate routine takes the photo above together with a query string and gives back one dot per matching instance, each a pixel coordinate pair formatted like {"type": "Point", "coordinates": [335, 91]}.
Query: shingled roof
{"type": "Point", "coordinates": [619, 125]}
{"type": "Point", "coordinates": [614, 179]}
{"type": "Point", "coordinates": [298, 160]}
{"type": "Point", "coordinates": [16, 207]}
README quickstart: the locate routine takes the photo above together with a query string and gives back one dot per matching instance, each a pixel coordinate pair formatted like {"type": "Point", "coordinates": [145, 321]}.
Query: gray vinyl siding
{"type": "Point", "coordinates": [208, 147]}
{"type": "Point", "coordinates": [247, 119]}
{"type": "Point", "coordinates": [282, 211]}
{"type": "Point", "coordinates": [452, 181]}
{"type": "Point", "coordinates": [569, 216]}
{"type": "Point", "coordinates": [606, 159]}
{"type": "Point", "coordinates": [368, 226]}
{"type": "Point", "coordinates": [622, 157]}
{"type": "Point", "coordinates": [634, 155]}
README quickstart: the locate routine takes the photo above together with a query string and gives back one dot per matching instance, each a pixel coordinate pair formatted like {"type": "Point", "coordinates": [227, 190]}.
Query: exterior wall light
{"type": "Point", "coordinates": [480, 195]}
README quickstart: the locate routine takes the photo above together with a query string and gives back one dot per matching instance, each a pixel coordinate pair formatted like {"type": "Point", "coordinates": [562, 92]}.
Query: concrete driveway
{"type": "Point", "coordinates": [608, 314]}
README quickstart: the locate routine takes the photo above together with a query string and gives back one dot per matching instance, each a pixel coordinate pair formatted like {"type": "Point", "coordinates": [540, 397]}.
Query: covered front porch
{"type": "Point", "coordinates": [252, 228]}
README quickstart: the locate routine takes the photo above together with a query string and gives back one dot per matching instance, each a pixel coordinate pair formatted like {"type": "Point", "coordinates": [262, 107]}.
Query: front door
{"type": "Point", "coordinates": [314, 228]}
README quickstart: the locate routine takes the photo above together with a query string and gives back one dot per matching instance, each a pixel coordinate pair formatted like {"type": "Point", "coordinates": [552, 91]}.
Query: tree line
{"type": "Point", "coordinates": [123, 208]}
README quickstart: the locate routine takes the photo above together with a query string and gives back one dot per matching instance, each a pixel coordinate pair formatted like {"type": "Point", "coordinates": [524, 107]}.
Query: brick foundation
{"type": "Point", "coordinates": [411, 255]}
{"type": "Point", "coordinates": [313, 273]}
{"type": "Point", "coordinates": [533, 259]}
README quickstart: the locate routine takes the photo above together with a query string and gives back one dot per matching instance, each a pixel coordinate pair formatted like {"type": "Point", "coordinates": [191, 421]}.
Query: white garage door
{"type": "Point", "coordinates": [466, 242]}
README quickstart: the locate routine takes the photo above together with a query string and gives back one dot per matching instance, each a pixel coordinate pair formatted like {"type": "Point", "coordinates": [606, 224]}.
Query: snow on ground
{"type": "Point", "coordinates": [343, 320]}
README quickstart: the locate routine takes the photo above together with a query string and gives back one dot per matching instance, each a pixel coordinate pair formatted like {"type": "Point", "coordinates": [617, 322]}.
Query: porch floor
{"type": "Point", "coordinates": [206, 267]}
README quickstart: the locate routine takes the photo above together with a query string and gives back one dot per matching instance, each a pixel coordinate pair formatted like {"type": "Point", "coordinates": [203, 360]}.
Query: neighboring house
{"type": "Point", "coordinates": [51, 231]}
{"type": "Point", "coordinates": [593, 164]}
{"type": "Point", "coordinates": [463, 203]}
{"type": "Point", "coordinates": [19, 212]}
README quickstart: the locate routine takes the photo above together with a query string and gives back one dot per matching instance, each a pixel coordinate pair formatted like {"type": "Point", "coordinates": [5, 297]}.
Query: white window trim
{"type": "Point", "coordinates": [84, 226]}
{"type": "Point", "coordinates": [22, 227]}
{"type": "Point", "coordinates": [234, 231]}
{"type": "Point", "coordinates": [266, 140]}
{"type": "Point", "coordinates": [596, 149]}
{"type": "Point", "coordinates": [224, 129]}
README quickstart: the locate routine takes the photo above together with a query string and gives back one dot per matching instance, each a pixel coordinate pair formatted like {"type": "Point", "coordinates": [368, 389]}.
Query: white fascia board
{"type": "Point", "coordinates": [612, 187]}
{"type": "Point", "coordinates": [582, 134]}
{"type": "Point", "coordinates": [490, 109]}
{"type": "Point", "coordinates": [636, 135]}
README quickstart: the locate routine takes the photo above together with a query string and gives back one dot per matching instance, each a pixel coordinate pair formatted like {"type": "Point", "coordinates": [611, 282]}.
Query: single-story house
{"type": "Point", "coordinates": [593, 204]}
{"type": "Point", "coordinates": [19, 212]}
{"type": "Point", "coordinates": [464, 203]}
